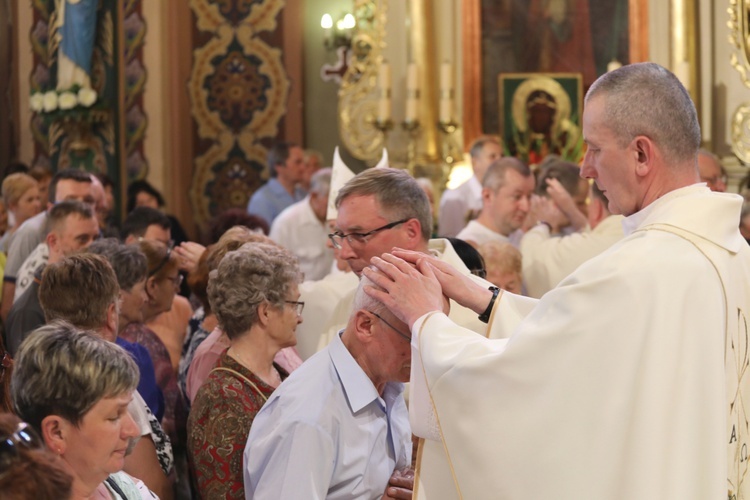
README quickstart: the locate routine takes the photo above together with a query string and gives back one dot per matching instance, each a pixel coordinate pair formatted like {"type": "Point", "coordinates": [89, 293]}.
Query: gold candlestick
{"type": "Point", "coordinates": [412, 128]}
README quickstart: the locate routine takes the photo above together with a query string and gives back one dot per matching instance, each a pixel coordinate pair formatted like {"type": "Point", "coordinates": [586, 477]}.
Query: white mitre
{"type": "Point", "coordinates": [340, 175]}
{"type": "Point", "coordinates": [383, 163]}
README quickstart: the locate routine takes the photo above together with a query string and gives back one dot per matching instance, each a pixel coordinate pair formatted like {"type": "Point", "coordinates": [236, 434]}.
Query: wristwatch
{"type": "Point", "coordinates": [485, 316]}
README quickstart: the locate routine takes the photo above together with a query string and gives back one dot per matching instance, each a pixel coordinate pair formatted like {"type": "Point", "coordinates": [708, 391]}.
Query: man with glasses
{"type": "Point", "coordinates": [379, 209]}
{"type": "Point", "coordinates": [338, 426]}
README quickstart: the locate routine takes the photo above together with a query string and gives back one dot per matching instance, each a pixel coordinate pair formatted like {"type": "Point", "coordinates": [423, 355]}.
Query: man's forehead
{"type": "Point", "coordinates": [357, 211]}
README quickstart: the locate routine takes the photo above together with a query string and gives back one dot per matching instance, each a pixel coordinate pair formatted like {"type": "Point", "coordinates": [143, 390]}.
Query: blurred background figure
{"type": "Point", "coordinates": [711, 171]}
{"type": "Point", "coordinates": [503, 263]}
{"type": "Point", "coordinates": [22, 201]}
{"type": "Point", "coordinates": [27, 469]}
{"type": "Point", "coordinates": [313, 163]}
{"type": "Point", "coordinates": [143, 194]}
{"type": "Point", "coordinates": [43, 176]}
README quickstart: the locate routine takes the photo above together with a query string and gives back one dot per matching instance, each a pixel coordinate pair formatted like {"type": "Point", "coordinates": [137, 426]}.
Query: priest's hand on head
{"type": "Point", "coordinates": [455, 285]}
{"type": "Point", "coordinates": [400, 485]}
{"type": "Point", "coordinates": [409, 292]}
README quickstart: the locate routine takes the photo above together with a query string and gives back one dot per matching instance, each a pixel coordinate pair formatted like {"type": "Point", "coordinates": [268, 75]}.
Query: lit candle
{"type": "Point", "coordinates": [613, 65]}
{"type": "Point", "coordinates": [384, 83]}
{"type": "Point", "coordinates": [412, 92]}
{"type": "Point", "coordinates": [446, 92]}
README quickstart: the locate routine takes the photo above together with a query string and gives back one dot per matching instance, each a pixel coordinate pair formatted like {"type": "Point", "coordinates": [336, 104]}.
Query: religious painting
{"type": "Point", "coordinates": [541, 114]}
{"type": "Point", "coordinates": [546, 36]}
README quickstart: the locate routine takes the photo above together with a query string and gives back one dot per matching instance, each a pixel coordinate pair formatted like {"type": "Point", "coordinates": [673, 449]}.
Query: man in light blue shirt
{"type": "Point", "coordinates": [286, 165]}
{"type": "Point", "coordinates": [338, 427]}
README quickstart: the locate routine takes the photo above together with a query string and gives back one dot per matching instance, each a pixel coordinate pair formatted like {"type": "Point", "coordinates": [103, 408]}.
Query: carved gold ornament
{"type": "Point", "coordinates": [739, 37]}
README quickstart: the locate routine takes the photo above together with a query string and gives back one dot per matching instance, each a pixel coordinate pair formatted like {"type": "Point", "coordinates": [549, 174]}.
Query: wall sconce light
{"type": "Point", "coordinates": [338, 34]}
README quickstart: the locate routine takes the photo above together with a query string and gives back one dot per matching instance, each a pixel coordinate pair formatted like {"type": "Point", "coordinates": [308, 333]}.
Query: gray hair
{"type": "Point", "coordinates": [364, 301]}
{"type": "Point", "coordinates": [128, 262]}
{"type": "Point", "coordinates": [61, 370]}
{"type": "Point", "coordinates": [646, 99]}
{"type": "Point", "coordinates": [247, 277]}
{"type": "Point", "coordinates": [494, 179]}
{"type": "Point", "coordinates": [478, 145]}
{"type": "Point", "coordinates": [397, 193]}
{"type": "Point", "coordinates": [320, 182]}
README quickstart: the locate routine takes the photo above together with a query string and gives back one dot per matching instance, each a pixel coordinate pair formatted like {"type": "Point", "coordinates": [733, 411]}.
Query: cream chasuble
{"type": "Point", "coordinates": [617, 384]}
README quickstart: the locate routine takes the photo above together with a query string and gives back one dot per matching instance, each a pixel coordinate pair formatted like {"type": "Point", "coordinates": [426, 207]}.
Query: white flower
{"type": "Point", "coordinates": [50, 101]}
{"type": "Point", "coordinates": [87, 97]}
{"type": "Point", "coordinates": [37, 102]}
{"type": "Point", "coordinates": [68, 100]}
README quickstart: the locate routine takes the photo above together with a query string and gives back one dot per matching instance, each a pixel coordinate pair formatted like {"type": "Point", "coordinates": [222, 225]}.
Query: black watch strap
{"type": "Point", "coordinates": [485, 316]}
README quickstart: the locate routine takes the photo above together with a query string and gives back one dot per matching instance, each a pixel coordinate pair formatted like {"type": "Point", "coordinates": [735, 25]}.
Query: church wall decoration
{"type": "Point", "coordinates": [238, 92]}
{"type": "Point", "coordinates": [87, 135]}
{"type": "Point", "coordinates": [540, 114]}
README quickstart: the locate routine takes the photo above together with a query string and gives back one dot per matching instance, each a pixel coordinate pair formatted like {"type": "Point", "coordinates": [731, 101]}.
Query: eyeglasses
{"type": "Point", "coordinates": [402, 334]}
{"type": "Point", "coordinates": [164, 261]}
{"type": "Point", "coordinates": [299, 306]}
{"type": "Point", "coordinates": [713, 181]}
{"type": "Point", "coordinates": [177, 280]}
{"type": "Point", "coordinates": [24, 436]}
{"type": "Point", "coordinates": [360, 239]}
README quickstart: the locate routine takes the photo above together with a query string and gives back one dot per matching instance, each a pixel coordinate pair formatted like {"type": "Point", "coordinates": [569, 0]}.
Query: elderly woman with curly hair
{"type": "Point", "coordinates": [74, 388]}
{"type": "Point", "coordinates": [254, 294]}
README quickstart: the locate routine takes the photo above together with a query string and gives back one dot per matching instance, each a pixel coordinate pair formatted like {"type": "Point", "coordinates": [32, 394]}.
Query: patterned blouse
{"type": "Point", "coordinates": [218, 426]}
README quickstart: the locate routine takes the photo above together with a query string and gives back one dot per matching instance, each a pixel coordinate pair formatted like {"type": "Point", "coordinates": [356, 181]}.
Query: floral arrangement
{"type": "Point", "coordinates": [75, 103]}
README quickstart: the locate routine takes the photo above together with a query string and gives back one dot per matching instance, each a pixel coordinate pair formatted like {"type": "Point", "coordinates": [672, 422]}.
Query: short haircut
{"type": "Point", "coordinates": [15, 167]}
{"type": "Point", "coordinates": [138, 221]}
{"type": "Point", "coordinates": [364, 301]}
{"type": "Point", "coordinates": [245, 278]}
{"type": "Point", "coordinates": [60, 212]}
{"type": "Point", "coordinates": [502, 255]}
{"type": "Point", "coordinates": [69, 174]}
{"type": "Point", "coordinates": [494, 179]}
{"type": "Point", "coordinates": [397, 193]}
{"type": "Point", "coordinates": [62, 370]}
{"type": "Point", "coordinates": [141, 186]}
{"type": "Point", "coordinates": [160, 259]}
{"type": "Point", "coordinates": [34, 472]}
{"type": "Point", "coordinates": [278, 154]}
{"type": "Point", "coordinates": [105, 179]}
{"type": "Point", "coordinates": [567, 173]}
{"type": "Point", "coordinates": [311, 153]}
{"type": "Point", "coordinates": [15, 186]}
{"type": "Point", "coordinates": [79, 289]}
{"type": "Point", "coordinates": [478, 144]}
{"type": "Point", "coordinates": [646, 99]}
{"type": "Point", "coordinates": [320, 182]}
{"type": "Point", "coordinates": [128, 262]}
{"type": "Point", "coordinates": [236, 217]}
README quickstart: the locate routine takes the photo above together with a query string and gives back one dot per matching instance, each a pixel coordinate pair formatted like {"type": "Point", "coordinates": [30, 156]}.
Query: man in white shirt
{"type": "Point", "coordinates": [460, 205]}
{"type": "Point", "coordinates": [548, 259]}
{"type": "Point", "coordinates": [338, 427]}
{"type": "Point", "coordinates": [628, 380]}
{"type": "Point", "coordinates": [301, 228]}
{"type": "Point", "coordinates": [506, 199]}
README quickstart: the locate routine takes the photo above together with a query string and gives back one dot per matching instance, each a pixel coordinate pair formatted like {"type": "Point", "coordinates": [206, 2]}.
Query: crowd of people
{"type": "Point", "coordinates": [563, 331]}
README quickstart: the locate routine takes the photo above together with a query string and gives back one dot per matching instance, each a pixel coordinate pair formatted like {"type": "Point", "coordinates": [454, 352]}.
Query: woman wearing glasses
{"type": "Point", "coordinates": [27, 469]}
{"type": "Point", "coordinates": [74, 388]}
{"type": "Point", "coordinates": [162, 283]}
{"type": "Point", "coordinates": [254, 294]}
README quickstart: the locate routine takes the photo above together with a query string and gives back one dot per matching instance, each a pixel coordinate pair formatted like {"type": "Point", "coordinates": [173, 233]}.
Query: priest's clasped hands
{"type": "Point", "coordinates": [417, 283]}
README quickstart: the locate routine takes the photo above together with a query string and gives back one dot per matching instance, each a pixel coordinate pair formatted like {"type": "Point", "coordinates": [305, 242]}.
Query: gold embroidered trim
{"type": "Point", "coordinates": [434, 410]}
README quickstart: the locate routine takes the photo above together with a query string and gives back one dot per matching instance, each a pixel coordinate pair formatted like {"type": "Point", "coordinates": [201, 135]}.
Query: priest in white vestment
{"type": "Point", "coordinates": [629, 379]}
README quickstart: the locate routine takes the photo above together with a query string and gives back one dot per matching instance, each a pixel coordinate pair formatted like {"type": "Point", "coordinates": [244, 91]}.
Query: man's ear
{"type": "Point", "coordinates": [413, 229]}
{"type": "Point", "coordinates": [644, 155]}
{"type": "Point", "coordinates": [113, 318]}
{"type": "Point", "coordinates": [52, 239]}
{"type": "Point", "coordinates": [54, 432]}
{"type": "Point", "coordinates": [486, 195]}
{"type": "Point", "coordinates": [363, 322]}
